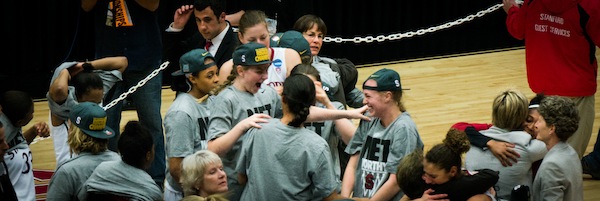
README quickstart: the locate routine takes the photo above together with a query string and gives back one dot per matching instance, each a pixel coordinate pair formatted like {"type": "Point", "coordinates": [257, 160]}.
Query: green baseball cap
{"type": "Point", "coordinates": [91, 119]}
{"type": "Point", "coordinates": [387, 80]}
{"type": "Point", "coordinates": [251, 54]}
{"type": "Point", "coordinates": [193, 61]}
{"type": "Point", "coordinates": [291, 39]}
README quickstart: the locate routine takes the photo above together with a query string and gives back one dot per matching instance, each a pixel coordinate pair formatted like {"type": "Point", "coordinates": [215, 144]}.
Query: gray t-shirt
{"type": "Point", "coordinates": [109, 78]}
{"type": "Point", "coordinates": [230, 107]}
{"type": "Point", "coordinates": [119, 178]}
{"type": "Point", "coordinates": [381, 150]}
{"type": "Point", "coordinates": [326, 129]}
{"type": "Point", "coordinates": [186, 127]}
{"type": "Point", "coordinates": [285, 163]}
{"type": "Point", "coordinates": [72, 174]}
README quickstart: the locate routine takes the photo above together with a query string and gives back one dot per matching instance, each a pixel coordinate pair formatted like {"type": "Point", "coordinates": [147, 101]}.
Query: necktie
{"type": "Point", "coordinates": [207, 45]}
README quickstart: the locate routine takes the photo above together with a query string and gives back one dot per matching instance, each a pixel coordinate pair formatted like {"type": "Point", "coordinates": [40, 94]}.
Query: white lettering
{"type": "Point", "coordinates": [551, 18]}
{"type": "Point", "coordinates": [541, 28]}
{"type": "Point", "coordinates": [373, 166]}
{"type": "Point", "coordinates": [560, 32]}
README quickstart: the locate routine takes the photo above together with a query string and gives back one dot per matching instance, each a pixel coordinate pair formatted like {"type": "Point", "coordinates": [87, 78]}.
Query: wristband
{"type": "Point", "coordinates": [87, 67]}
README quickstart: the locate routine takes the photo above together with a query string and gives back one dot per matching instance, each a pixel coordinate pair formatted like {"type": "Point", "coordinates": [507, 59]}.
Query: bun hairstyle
{"type": "Point", "coordinates": [448, 154]}
{"type": "Point", "coordinates": [457, 141]}
{"type": "Point", "coordinates": [298, 94]}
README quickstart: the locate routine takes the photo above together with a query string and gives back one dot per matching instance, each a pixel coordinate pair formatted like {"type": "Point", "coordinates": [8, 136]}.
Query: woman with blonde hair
{"type": "Point", "coordinates": [88, 138]}
{"type": "Point", "coordinates": [509, 110]}
{"type": "Point", "coordinates": [203, 177]}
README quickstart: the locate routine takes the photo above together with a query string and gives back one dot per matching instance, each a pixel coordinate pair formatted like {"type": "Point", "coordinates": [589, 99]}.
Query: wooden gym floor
{"type": "Point", "coordinates": [443, 91]}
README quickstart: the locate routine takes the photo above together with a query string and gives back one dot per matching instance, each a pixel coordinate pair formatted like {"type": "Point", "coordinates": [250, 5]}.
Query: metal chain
{"type": "Point", "coordinates": [138, 85]}
{"type": "Point", "coordinates": [381, 38]}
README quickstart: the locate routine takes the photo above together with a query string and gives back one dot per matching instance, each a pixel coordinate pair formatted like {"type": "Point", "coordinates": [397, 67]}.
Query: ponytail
{"type": "Point", "coordinates": [299, 95]}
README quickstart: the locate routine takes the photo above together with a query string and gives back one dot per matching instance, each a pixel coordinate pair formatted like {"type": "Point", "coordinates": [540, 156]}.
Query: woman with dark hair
{"type": "Point", "coordinates": [340, 74]}
{"type": "Point", "coordinates": [125, 178]}
{"type": "Point", "coordinates": [559, 175]}
{"type": "Point", "coordinates": [269, 156]}
{"type": "Point", "coordinates": [442, 166]}
{"type": "Point", "coordinates": [186, 121]}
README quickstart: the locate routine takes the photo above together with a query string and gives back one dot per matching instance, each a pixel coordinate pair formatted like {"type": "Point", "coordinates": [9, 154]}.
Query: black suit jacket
{"type": "Point", "coordinates": [176, 44]}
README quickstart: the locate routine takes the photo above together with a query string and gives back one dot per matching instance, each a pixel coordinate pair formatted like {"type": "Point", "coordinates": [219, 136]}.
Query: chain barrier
{"type": "Point", "coordinates": [138, 85]}
{"type": "Point", "coordinates": [381, 38]}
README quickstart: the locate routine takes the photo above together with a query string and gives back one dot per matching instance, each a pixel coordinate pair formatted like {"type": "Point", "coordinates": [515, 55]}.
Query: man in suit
{"type": "Point", "coordinates": [215, 34]}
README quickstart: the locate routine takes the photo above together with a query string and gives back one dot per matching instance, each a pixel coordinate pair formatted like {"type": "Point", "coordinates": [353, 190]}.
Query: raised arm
{"type": "Point", "coordinates": [119, 63]}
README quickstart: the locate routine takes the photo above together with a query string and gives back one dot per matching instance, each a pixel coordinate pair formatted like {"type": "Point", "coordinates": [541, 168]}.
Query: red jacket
{"type": "Point", "coordinates": [559, 53]}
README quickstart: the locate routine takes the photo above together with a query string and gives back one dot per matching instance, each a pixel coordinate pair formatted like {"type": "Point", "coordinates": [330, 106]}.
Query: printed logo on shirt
{"type": "Point", "coordinates": [275, 84]}
{"type": "Point", "coordinates": [374, 158]}
{"type": "Point", "coordinates": [260, 109]}
{"type": "Point", "coordinates": [122, 17]}
{"type": "Point", "coordinates": [317, 127]}
{"type": "Point", "coordinates": [277, 63]}
{"type": "Point", "coordinates": [203, 125]}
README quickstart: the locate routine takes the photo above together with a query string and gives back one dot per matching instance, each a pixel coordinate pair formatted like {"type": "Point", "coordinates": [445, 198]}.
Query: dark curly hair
{"type": "Point", "coordinates": [448, 154]}
{"type": "Point", "coordinates": [561, 113]}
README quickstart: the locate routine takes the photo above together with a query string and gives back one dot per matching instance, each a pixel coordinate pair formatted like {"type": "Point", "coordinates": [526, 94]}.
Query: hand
{"type": "Point", "coordinates": [427, 195]}
{"type": "Point", "coordinates": [42, 129]}
{"type": "Point", "coordinates": [504, 152]}
{"type": "Point", "coordinates": [359, 113]}
{"type": "Point", "coordinates": [182, 15]}
{"type": "Point", "coordinates": [507, 4]}
{"type": "Point", "coordinates": [321, 95]}
{"type": "Point", "coordinates": [252, 121]}
{"type": "Point", "coordinates": [75, 69]}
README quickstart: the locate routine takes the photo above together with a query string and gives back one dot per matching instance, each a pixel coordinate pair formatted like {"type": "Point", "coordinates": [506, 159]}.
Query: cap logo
{"type": "Point", "coordinates": [98, 124]}
{"type": "Point", "coordinates": [204, 54]}
{"type": "Point", "coordinates": [301, 53]}
{"type": "Point", "coordinates": [78, 120]}
{"type": "Point", "coordinates": [185, 68]}
{"type": "Point", "coordinates": [397, 83]}
{"type": "Point", "coordinates": [262, 54]}
{"type": "Point", "coordinates": [243, 58]}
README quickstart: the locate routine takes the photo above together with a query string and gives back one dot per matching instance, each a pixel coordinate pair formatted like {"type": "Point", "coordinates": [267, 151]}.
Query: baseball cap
{"type": "Point", "coordinates": [251, 54]}
{"type": "Point", "coordinates": [193, 61]}
{"type": "Point", "coordinates": [91, 119]}
{"type": "Point", "coordinates": [291, 39]}
{"type": "Point", "coordinates": [387, 80]}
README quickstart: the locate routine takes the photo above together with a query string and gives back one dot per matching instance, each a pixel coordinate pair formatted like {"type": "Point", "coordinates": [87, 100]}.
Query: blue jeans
{"type": "Point", "coordinates": [147, 100]}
